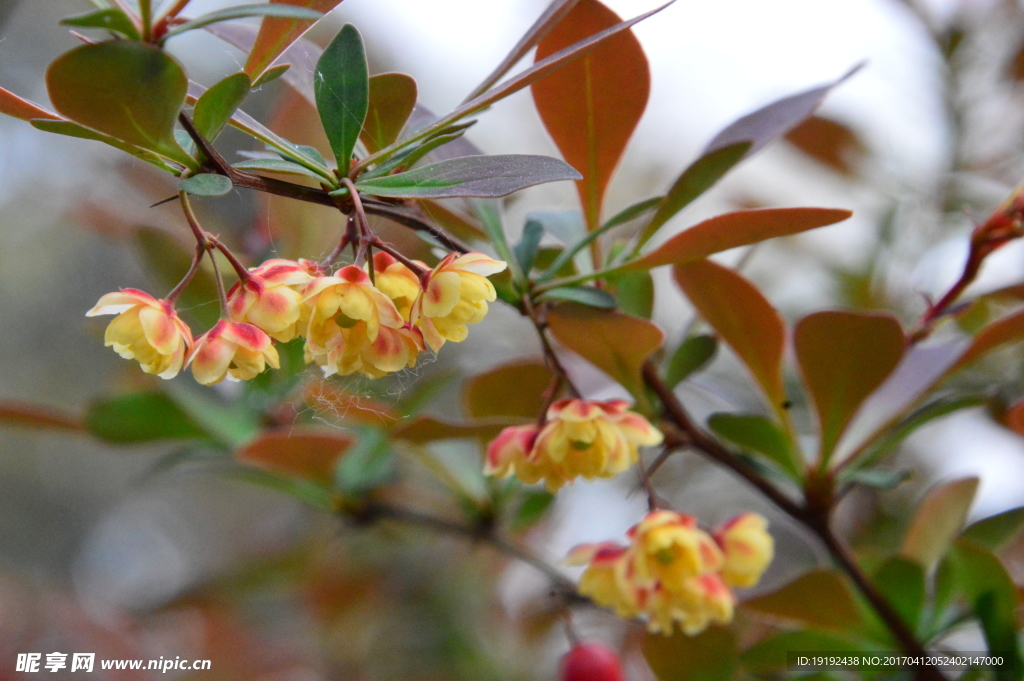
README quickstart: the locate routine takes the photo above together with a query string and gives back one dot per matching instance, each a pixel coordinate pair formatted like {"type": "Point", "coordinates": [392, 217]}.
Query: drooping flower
{"type": "Point", "coordinates": [397, 282]}
{"type": "Point", "coordinates": [747, 549]}
{"type": "Point", "coordinates": [271, 298]}
{"type": "Point", "coordinates": [353, 327]}
{"type": "Point", "coordinates": [671, 549]}
{"type": "Point", "coordinates": [456, 294]}
{"type": "Point", "coordinates": [511, 453]}
{"type": "Point", "coordinates": [672, 573]}
{"type": "Point", "coordinates": [145, 329]}
{"type": "Point", "coordinates": [593, 439]}
{"type": "Point", "coordinates": [609, 579]}
{"type": "Point", "coordinates": [235, 350]}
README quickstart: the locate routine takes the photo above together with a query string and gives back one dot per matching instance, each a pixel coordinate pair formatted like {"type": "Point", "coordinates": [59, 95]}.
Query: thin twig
{"type": "Point", "coordinates": [549, 352]}
{"type": "Point", "coordinates": [172, 297]}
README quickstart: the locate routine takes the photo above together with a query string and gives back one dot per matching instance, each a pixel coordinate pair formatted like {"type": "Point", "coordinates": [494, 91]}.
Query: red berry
{"type": "Point", "coordinates": [591, 662]}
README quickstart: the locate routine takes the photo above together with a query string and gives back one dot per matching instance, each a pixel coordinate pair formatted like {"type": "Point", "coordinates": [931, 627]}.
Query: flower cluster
{"type": "Point", "coordinates": [673, 572]}
{"type": "Point", "coordinates": [352, 321]}
{"type": "Point", "coordinates": [581, 438]}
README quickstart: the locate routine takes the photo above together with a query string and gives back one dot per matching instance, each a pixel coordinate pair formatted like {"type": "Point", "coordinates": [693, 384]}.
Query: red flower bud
{"type": "Point", "coordinates": [591, 662]}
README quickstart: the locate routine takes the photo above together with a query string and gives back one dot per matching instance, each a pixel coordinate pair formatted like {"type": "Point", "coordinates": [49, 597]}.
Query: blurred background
{"type": "Point", "coordinates": [114, 550]}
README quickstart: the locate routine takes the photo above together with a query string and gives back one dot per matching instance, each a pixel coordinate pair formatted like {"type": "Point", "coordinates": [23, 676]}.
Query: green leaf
{"type": "Point", "coordinates": [844, 357]}
{"type": "Point", "coordinates": [140, 417]}
{"type": "Point", "coordinates": [532, 509]}
{"type": "Point", "coordinates": [700, 176]}
{"type": "Point", "coordinates": [407, 158]}
{"type": "Point", "coordinates": [124, 89]}
{"type": "Point", "coordinates": [307, 492]}
{"type": "Point", "coordinates": [772, 654]}
{"type": "Point", "coordinates": [584, 295]}
{"type": "Point", "coordinates": [981, 577]}
{"type": "Point", "coordinates": [996, 531]}
{"type": "Point", "coordinates": [615, 343]}
{"type": "Point", "coordinates": [732, 230]}
{"type": "Point", "coordinates": [277, 165]}
{"type": "Point", "coordinates": [877, 478]}
{"type": "Point", "coordinates": [342, 90]}
{"type": "Point", "coordinates": [711, 655]}
{"type": "Point", "coordinates": [271, 74]}
{"type": "Point", "coordinates": [391, 101]}
{"type": "Point", "coordinates": [490, 217]}
{"type": "Point", "coordinates": [217, 105]}
{"type": "Point", "coordinates": [526, 249]}
{"type": "Point", "coordinates": [108, 19]}
{"type": "Point", "coordinates": [802, 600]}
{"type": "Point", "coordinates": [476, 176]}
{"type": "Point", "coordinates": [69, 129]}
{"type": "Point", "coordinates": [758, 434]}
{"type": "Point", "coordinates": [368, 464]}
{"type": "Point", "coordinates": [938, 520]}
{"type": "Point", "coordinates": [635, 291]}
{"type": "Point", "coordinates": [243, 12]}
{"type": "Point", "coordinates": [228, 422]}
{"type": "Point", "coordinates": [632, 212]}
{"type": "Point", "coordinates": [206, 184]}
{"type": "Point", "coordinates": [692, 354]}
{"type": "Point", "coordinates": [902, 583]}
{"type": "Point", "coordinates": [744, 319]}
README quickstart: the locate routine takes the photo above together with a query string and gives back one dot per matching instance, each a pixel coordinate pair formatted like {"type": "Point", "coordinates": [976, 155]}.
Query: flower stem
{"type": "Point", "coordinates": [172, 297]}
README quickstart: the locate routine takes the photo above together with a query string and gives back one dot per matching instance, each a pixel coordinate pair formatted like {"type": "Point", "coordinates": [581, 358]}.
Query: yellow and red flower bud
{"type": "Point", "coordinates": [397, 282]}
{"type": "Point", "coordinates": [145, 329]}
{"type": "Point", "coordinates": [671, 549]}
{"type": "Point", "coordinates": [353, 327]}
{"type": "Point", "coordinates": [271, 298]}
{"type": "Point", "coordinates": [235, 350]}
{"type": "Point", "coordinates": [747, 549]}
{"type": "Point", "coordinates": [456, 295]}
{"type": "Point", "coordinates": [593, 439]}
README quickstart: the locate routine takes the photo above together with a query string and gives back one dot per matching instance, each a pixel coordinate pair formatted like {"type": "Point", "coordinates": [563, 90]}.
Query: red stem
{"type": "Point", "coordinates": [172, 297]}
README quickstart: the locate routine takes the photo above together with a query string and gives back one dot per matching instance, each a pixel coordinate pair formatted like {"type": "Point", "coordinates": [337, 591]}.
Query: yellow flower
{"type": "Point", "coordinates": [145, 329]}
{"type": "Point", "coordinates": [353, 327]}
{"type": "Point", "coordinates": [397, 282]}
{"type": "Point", "coordinates": [512, 453]}
{"type": "Point", "coordinates": [701, 601]}
{"type": "Point", "coordinates": [747, 548]}
{"type": "Point", "coordinates": [234, 350]}
{"type": "Point", "coordinates": [671, 549]}
{"type": "Point", "coordinates": [607, 578]}
{"type": "Point", "coordinates": [271, 298]}
{"type": "Point", "coordinates": [593, 439]}
{"type": "Point", "coordinates": [456, 294]}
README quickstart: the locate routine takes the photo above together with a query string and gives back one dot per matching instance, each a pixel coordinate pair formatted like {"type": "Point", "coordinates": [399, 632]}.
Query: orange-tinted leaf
{"type": "Point", "coordinates": [615, 343]}
{"type": "Point", "coordinates": [276, 34]}
{"type": "Point", "coordinates": [13, 105]}
{"type": "Point", "coordinates": [1006, 330]}
{"type": "Point", "coordinates": [820, 599]}
{"type": "Point", "coordinates": [310, 454]}
{"type": "Point", "coordinates": [458, 224]}
{"type": "Point", "coordinates": [1013, 417]}
{"type": "Point", "coordinates": [512, 390]}
{"type": "Point", "coordinates": [36, 416]}
{"type": "Point", "coordinates": [938, 520]}
{"type": "Point", "coordinates": [828, 142]}
{"type": "Point", "coordinates": [591, 107]}
{"type": "Point", "coordinates": [428, 429]}
{"type": "Point", "coordinates": [332, 400]}
{"type": "Point", "coordinates": [741, 315]}
{"type": "Point", "coordinates": [740, 228]}
{"type": "Point", "coordinates": [392, 98]}
{"type": "Point", "coordinates": [844, 357]}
